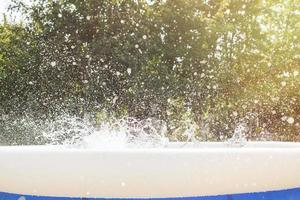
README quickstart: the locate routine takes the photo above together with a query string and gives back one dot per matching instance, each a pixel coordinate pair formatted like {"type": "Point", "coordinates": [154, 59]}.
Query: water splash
{"type": "Point", "coordinates": [86, 132]}
{"type": "Point", "coordinates": [239, 137]}
{"type": "Point", "coordinates": [125, 133]}
{"type": "Point", "coordinates": [79, 132]}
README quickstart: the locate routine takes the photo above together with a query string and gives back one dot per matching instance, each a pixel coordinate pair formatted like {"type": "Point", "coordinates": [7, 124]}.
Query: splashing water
{"type": "Point", "coordinates": [123, 133]}
{"type": "Point", "coordinates": [83, 133]}
{"type": "Point", "coordinates": [239, 138]}
{"type": "Point", "coordinates": [76, 132]}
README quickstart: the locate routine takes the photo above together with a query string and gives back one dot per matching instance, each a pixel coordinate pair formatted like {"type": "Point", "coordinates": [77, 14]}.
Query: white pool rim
{"type": "Point", "coordinates": [201, 169]}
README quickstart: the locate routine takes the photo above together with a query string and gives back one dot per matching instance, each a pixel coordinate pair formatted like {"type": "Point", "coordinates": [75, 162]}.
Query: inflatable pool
{"type": "Point", "coordinates": [204, 171]}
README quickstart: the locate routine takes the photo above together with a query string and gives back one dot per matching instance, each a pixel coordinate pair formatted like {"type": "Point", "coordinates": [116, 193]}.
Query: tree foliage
{"type": "Point", "coordinates": [212, 63]}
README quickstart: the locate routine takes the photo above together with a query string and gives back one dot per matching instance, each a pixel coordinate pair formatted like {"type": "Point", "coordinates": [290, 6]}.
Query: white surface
{"type": "Point", "coordinates": [206, 169]}
{"type": "Point", "coordinates": [3, 8]}
{"type": "Point", "coordinates": [4, 4]}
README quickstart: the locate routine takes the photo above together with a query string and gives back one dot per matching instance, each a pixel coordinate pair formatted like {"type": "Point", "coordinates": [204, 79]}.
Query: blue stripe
{"type": "Point", "coordinates": [290, 194]}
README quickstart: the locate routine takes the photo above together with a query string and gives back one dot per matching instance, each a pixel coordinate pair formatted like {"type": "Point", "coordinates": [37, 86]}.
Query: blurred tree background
{"type": "Point", "coordinates": [213, 64]}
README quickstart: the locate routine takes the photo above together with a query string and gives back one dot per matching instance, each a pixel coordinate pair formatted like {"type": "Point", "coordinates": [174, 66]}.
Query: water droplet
{"type": "Point", "coordinates": [284, 118]}
{"type": "Point", "coordinates": [129, 71]}
{"type": "Point", "coordinates": [53, 63]}
{"type": "Point", "coordinates": [115, 99]}
{"type": "Point", "coordinates": [296, 73]}
{"type": "Point", "coordinates": [290, 120]}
